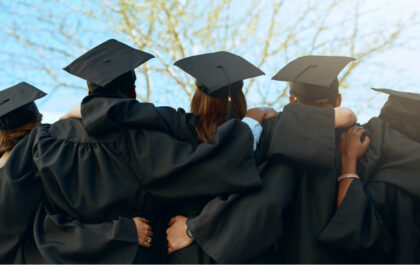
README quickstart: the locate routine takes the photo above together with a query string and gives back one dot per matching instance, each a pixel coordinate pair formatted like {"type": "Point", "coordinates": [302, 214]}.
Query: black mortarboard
{"type": "Point", "coordinates": [313, 77]}
{"type": "Point", "coordinates": [106, 62]}
{"type": "Point", "coordinates": [401, 102]}
{"type": "Point", "coordinates": [17, 106]}
{"type": "Point", "coordinates": [219, 74]}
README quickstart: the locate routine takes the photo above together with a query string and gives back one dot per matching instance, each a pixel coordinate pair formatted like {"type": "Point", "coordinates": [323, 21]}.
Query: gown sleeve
{"type": "Point", "coordinates": [178, 169]}
{"type": "Point", "coordinates": [99, 114]}
{"type": "Point", "coordinates": [357, 227]}
{"type": "Point", "coordinates": [167, 159]}
{"type": "Point", "coordinates": [20, 195]}
{"type": "Point", "coordinates": [246, 224]}
{"type": "Point", "coordinates": [60, 240]}
{"type": "Point", "coordinates": [298, 135]}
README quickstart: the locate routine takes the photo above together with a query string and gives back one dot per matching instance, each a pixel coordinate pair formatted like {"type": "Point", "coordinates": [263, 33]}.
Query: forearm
{"type": "Point", "coordinates": [348, 166]}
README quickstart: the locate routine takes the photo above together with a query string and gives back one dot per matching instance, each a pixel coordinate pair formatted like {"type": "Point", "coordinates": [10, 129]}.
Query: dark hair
{"type": "Point", "coordinates": [212, 112]}
{"type": "Point", "coordinates": [329, 102]}
{"type": "Point", "coordinates": [10, 138]}
{"type": "Point", "coordinates": [123, 83]}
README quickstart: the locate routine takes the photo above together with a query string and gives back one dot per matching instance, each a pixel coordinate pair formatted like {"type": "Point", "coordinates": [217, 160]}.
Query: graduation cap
{"type": "Point", "coordinates": [400, 102]}
{"type": "Point", "coordinates": [219, 74]}
{"type": "Point", "coordinates": [17, 106]}
{"type": "Point", "coordinates": [313, 77]}
{"type": "Point", "coordinates": [107, 62]}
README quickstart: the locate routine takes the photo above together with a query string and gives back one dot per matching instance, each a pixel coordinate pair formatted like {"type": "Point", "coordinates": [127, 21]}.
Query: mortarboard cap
{"type": "Point", "coordinates": [106, 62]}
{"type": "Point", "coordinates": [215, 72]}
{"type": "Point", "coordinates": [17, 106]}
{"type": "Point", "coordinates": [219, 74]}
{"type": "Point", "coordinates": [401, 102]}
{"type": "Point", "coordinates": [313, 77]}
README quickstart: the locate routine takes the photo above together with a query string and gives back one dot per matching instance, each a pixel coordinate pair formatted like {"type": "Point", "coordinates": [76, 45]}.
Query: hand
{"type": "Point", "coordinates": [144, 231]}
{"type": "Point", "coordinates": [351, 148]}
{"type": "Point", "coordinates": [344, 117]}
{"type": "Point", "coordinates": [177, 234]}
{"type": "Point", "coordinates": [74, 113]}
{"type": "Point", "coordinates": [262, 113]}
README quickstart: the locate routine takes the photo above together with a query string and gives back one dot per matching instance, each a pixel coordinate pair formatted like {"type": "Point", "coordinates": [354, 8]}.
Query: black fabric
{"type": "Point", "coordinates": [17, 106]}
{"type": "Point", "coordinates": [123, 83]}
{"type": "Point", "coordinates": [387, 227]}
{"type": "Point", "coordinates": [107, 61]}
{"type": "Point", "coordinates": [295, 119]}
{"type": "Point", "coordinates": [217, 70]}
{"type": "Point", "coordinates": [313, 69]}
{"type": "Point", "coordinates": [19, 117]}
{"type": "Point", "coordinates": [21, 194]}
{"type": "Point", "coordinates": [357, 229]}
{"type": "Point", "coordinates": [222, 92]}
{"type": "Point", "coordinates": [250, 224]}
{"type": "Point", "coordinates": [313, 77]}
{"type": "Point", "coordinates": [125, 173]}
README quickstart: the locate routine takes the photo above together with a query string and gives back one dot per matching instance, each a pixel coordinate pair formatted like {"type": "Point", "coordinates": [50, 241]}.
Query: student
{"type": "Point", "coordinates": [261, 214]}
{"type": "Point", "coordinates": [122, 172]}
{"type": "Point", "coordinates": [383, 188]}
{"type": "Point", "coordinates": [291, 126]}
{"type": "Point", "coordinates": [19, 115]}
{"type": "Point", "coordinates": [366, 235]}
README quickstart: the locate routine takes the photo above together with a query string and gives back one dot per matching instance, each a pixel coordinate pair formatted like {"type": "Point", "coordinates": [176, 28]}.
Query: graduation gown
{"type": "Point", "coordinates": [244, 228]}
{"type": "Point", "coordinates": [99, 179]}
{"type": "Point", "coordinates": [297, 123]}
{"type": "Point", "coordinates": [60, 240]}
{"type": "Point", "coordinates": [20, 195]}
{"type": "Point", "coordinates": [386, 200]}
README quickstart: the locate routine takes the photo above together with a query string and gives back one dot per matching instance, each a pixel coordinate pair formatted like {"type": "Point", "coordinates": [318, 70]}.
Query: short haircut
{"type": "Point", "coordinates": [329, 102]}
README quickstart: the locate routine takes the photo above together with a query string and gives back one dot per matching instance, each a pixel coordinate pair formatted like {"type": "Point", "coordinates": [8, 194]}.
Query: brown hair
{"type": "Point", "coordinates": [212, 112]}
{"type": "Point", "coordinates": [10, 138]}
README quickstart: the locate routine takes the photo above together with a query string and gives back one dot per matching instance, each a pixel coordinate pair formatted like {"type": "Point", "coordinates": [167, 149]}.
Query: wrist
{"type": "Point", "coordinates": [348, 165]}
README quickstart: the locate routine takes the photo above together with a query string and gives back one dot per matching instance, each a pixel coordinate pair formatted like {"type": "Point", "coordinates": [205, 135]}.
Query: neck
{"type": "Point", "coordinates": [4, 158]}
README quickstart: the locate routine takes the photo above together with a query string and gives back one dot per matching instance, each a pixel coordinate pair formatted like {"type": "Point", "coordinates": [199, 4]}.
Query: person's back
{"type": "Point", "coordinates": [374, 242]}
{"type": "Point", "coordinates": [18, 116]}
{"type": "Point", "coordinates": [102, 178]}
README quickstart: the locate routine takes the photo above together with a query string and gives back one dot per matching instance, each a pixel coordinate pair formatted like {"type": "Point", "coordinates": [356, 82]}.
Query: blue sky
{"type": "Point", "coordinates": [397, 68]}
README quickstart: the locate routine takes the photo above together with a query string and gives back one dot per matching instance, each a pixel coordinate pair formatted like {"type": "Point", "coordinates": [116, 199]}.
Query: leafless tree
{"type": "Point", "coordinates": [268, 33]}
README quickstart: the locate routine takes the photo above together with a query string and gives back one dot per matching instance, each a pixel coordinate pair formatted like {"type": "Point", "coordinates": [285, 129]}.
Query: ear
{"type": "Point", "coordinates": [131, 93]}
{"type": "Point", "coordinates": [291, 99]}
{"type": "Point", "coordinates": [339, 98]}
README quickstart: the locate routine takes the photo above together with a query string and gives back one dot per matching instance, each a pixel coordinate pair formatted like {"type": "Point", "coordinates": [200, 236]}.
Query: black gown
{"type": "Point", "coordinates": [244, 228]}
{"type": "Point", "coordinates": [298, 123]}
{"type": "Point", "coordinates": [124, 173]}
{"type": "Point", "coordinates": [387, 200]}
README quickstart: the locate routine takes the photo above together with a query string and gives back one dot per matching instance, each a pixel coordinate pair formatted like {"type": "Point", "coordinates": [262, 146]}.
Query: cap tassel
{"type": "Point", "coordinates": [230, 113]}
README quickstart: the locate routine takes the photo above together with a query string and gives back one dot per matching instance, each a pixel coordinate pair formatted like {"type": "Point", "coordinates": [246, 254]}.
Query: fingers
{"type": "Point", "coordinates": [359, 132]}
{"type": "Point", "coordinates": [172, 221]}
{"type": "Point", "coordinates": [146, 242]}
{"type": "Point", "coordinates": [366, 142]}
{"type": "Point", "coordinates": [170, 250]}
{"type": "Point", "coordinates": [144, 231]}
